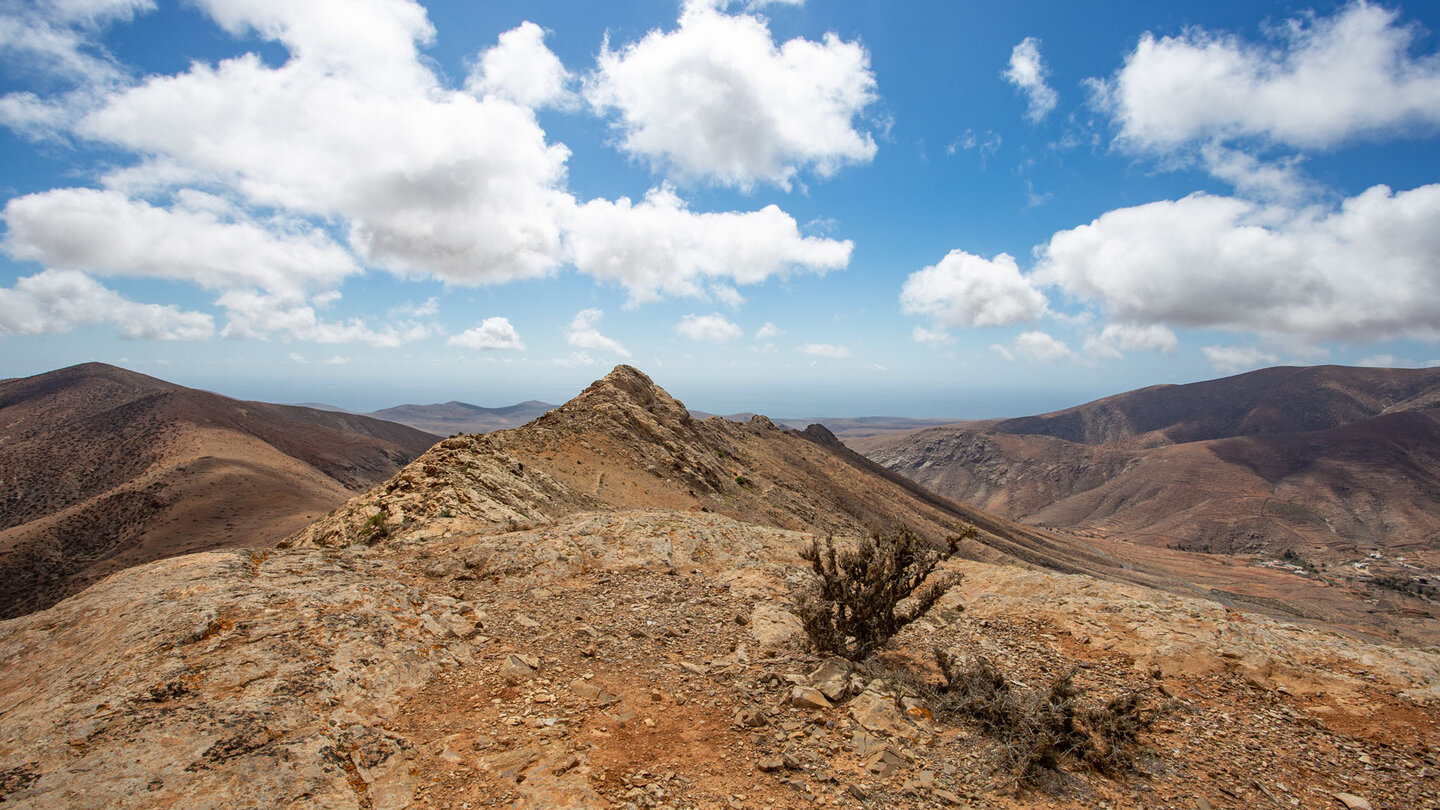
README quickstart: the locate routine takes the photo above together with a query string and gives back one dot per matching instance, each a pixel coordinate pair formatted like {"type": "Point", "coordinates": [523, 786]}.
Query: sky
{"type": "Point", "coordinates": [796, 207]}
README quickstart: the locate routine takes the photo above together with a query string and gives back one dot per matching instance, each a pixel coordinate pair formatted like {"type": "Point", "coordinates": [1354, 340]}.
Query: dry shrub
{"type": "Point", "coordinates": [853, 609]}
{"type": "Point", "coordinates": [1038, 730]}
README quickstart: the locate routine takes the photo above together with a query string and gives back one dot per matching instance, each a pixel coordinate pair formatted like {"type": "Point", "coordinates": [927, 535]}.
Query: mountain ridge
{"type": "Point", "coordinates": [106, 468]}
{"type": "Point", "coordinates": [626, 443]}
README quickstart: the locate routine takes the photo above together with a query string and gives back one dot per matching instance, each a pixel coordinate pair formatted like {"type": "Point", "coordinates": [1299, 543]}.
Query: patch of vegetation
{"type": "Point", "coordinates": [1293, 558]}
{"type": "Point", "coordinates": [1041, 729]}
{"type": "Point", "coordinates": [744, 482]}
{"type": "Point", "coordinates": [1418, 587]}
{"type": "Point", "coordinates": [853, 608]}
{"type": "Point", "coordinates": [375, 528]}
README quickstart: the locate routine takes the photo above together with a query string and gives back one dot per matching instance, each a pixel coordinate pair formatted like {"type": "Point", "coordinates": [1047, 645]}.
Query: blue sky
{"type": "Point", "coordinates": [798, 208]}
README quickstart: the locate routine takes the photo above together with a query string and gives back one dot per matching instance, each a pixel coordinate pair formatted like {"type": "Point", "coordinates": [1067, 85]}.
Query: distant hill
{"type": "Point", "coordinates": [854, 431]}
{"type": "Point", "coordinates": [323, 406]}
{"type": "Point", "coordinates": [104, 468]}
{"type": "Point", "coordinates": [450, 418]}
{"type": "Point", "coordinates": [1317, 461]}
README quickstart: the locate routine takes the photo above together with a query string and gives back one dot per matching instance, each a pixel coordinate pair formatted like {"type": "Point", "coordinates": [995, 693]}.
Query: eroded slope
{"type": "Point", "coordinates": [104, 468]}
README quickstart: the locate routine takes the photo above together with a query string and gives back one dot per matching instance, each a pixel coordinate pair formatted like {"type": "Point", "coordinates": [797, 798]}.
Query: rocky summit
{"type": "Point", "coordinates": [599, 610]}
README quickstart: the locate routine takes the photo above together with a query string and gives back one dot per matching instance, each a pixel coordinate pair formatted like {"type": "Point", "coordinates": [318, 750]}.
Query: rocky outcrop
{"type": "Point", "coordinates": [613, 658]}
{"type": "Point", "coordinates": [222, 677]}
{"type": "Point", "coordinates": [465, 478]}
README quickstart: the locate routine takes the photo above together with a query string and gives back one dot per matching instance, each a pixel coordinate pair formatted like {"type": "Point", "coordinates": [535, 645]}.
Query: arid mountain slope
{"type": "Point", "coordinates": [1334, 468]}
{"type": "Point", "coordinates": [104, 468]}
{"type": "Point", "coordinates": [624, 443]}
{"type": "Point", "coordinates": [650, 658]}
{"type": "Point", "coordinates": [1311, 460]}
{"type": "Point", "coordinates": [501, 624]}
{"type": "Point", "coordinates": [450, 418]}
{"type": "Point", "coordinates": [1270, 401]}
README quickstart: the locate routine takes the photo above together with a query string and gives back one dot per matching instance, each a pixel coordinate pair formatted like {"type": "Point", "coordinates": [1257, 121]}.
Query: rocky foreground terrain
{"type": "Point", "coordinates": [492, 628]}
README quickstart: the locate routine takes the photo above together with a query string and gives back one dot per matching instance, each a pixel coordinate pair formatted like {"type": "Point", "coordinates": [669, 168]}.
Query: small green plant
{"type": "Point", "coordinates": [744, 482]}
{"type": "Point", "coordinates": [375, 528]}
{"type": "Point", "coordinates": [853, 608]}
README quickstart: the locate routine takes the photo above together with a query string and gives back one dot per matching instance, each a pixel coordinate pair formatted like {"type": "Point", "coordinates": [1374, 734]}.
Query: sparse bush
{"type": "Point", "coordinates": [1039, 729]}
{"type": "Point", "coordinates": [375, 528]}
{"type": "Point", "coordinates": [743, 481]}
{"type": "Point", "coordinates": [853, 609]}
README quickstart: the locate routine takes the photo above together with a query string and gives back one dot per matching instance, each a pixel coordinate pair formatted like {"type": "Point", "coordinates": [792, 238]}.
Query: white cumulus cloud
{"type": "Point", "coordinates": [1324, 81]}
{"type": "Point", "coordinates": [491, 334]}
{"type": "Point", "coordinates": [583, 335]}
{"type": "Point", "coordinates": [56, 301]}
{"type": "Point", "coordinates": [710, 328]}
{"type": "Point", "coordinates": [1363, 273]}
{"type": "Point", "coordinates": [719, 99]}
{"type": "Point", "coordinates": [353, 128]}
{"type": "Point", "coordinates": [1036, 346]}
{"type": "Point", "coordinates": [1234, 359]}
{"type": "Point", "coordinates": [106, 233]}
{"type": "Point", "coordinates": [520, 68]}
{"type": "Point", "coordinates": [965, 290]}
{"type": "Point", "coordinates": [1027, 72]}
{"type": "Point", "coordinates": [1117, 338]}
{"type": "Point", "coordinates": [371, 40]}
{"type": "Point", "coordinates": [659, 247]}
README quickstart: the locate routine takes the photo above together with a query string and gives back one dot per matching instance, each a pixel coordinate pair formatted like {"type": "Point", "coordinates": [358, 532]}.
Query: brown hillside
{"type": "Point", "coordinates": [105, 468]}
{"type": "Point", "coordinates": [1268, 401]}
{"type": "Point", "coordinates": [1327, 467]}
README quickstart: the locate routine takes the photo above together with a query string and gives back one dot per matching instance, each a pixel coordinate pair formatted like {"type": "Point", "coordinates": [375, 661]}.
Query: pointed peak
{"type": "Point", "coordinates": [624, 375]}
{"type": "Point", "coordinates": [629, 386]}
{"type": "Point", "coordinates": [821, 435]}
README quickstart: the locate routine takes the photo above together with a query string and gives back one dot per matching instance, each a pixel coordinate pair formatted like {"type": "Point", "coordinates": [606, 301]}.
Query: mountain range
{"type": "Point", "coordinates": [599, 609]}
{"type": "Point", "coordinates": [104, 468]}
{"type": "Point", "coordinates": [1317, 461]}
{"type": "Point", "coordinates": [450, 418]}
